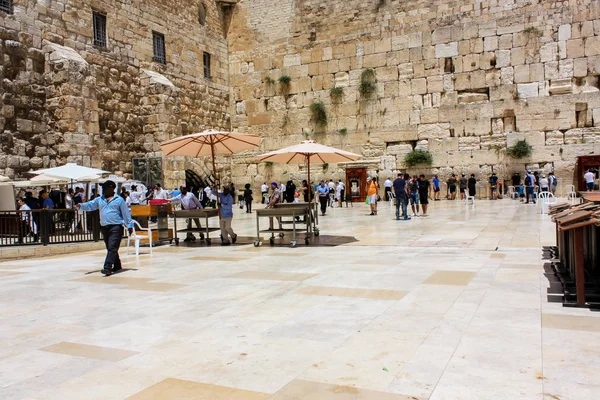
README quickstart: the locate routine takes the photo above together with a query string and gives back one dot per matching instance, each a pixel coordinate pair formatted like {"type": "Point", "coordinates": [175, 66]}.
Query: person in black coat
{"type": "Point", "coordinates": [290, 190]}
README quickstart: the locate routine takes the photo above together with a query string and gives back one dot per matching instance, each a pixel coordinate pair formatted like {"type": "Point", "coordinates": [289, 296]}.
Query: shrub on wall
{"type": "Point", "coordinates": [417, 157]}
{"type": "Point", "coordinates": [318, 113]}
{"type": "Point", "coordinates": [336, 94]}
{"type": "Point", "coordinates": [521, 149]}
{"type": "Point", "coordinates": [367, 83]}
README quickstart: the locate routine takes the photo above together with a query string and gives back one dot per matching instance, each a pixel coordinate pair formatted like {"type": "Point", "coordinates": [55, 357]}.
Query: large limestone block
{"type": "Point", "coordinates": [374, 60]}
{"type": "Point", "coordinates": [446, 50]}
{"type": "Point", "coordinates": [554, 138]}
{"type": "Point", "coordinates": [442, 35]}
{"type": "Point", "coordinates": [433, 131]}
{"type": "Point", "coordinates": [564, 32]}
{"type": "Point", "coordinates": [592, 46]}
{"type": "Point", "coordinates": [575, 48]}
{"type": "Point", "coordinates": [513, 137]}
{"type": "Point", "coordinates": [478, 127]}
{"type": "Point", "coordinates": [549, 52]}
{"type": "Point", "coordinates": [386, 74]}
{"type": "Point", "coordinates": [469, 143]}
{"type": "Point", "coordinates": [527, 90]}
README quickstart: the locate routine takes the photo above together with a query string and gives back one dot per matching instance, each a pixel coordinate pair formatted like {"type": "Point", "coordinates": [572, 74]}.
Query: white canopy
{"type": "Point", "coordinates": [70, 171]}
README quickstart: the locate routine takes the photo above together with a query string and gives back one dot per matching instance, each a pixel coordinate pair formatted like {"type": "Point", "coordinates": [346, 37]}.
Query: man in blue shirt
{"type": "Point", "coordinates": [113, 214]}
{"type": "Point", "coordinates": [400, 192]}
{"type": "Point", "coordinates": [323, 192]}
{"type": "Point", "coordinates": [226, 213]}
{"type": "Point", "coordinates": [436, 188]}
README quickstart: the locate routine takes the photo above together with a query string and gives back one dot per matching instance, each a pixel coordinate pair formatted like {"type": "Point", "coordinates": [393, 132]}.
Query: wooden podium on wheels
{"type": "Point", "coordinates": [161, 212]}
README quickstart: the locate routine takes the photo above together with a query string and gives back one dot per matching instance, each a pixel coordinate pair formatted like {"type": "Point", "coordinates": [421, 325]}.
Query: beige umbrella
{"type": "Point", "coordinates": [307, 150]}
{"type": "Point", "coordinates": [210, 143]}
{"type": "Point", "coordinates": [4, 178]}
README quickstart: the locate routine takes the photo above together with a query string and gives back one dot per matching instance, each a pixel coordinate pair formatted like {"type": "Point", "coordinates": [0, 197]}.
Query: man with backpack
{"type": "Point", "coordinates": [529, 185]}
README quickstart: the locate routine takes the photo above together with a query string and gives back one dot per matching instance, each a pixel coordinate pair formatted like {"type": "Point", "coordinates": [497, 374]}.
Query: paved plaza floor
{"type": "Point", "coordinates": [453, 306]}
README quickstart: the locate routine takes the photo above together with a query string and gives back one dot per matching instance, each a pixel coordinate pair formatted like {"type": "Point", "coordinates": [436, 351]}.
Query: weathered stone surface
{"type": "Point", "coordinates": [433, 131]}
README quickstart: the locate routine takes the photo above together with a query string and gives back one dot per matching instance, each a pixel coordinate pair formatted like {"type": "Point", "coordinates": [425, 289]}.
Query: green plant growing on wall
{"type": "Point", "coordinates": [343, 131]}
{"type": "Point", "coordinates": [533, 31]}
{"type": "Point", "coordinates": [367, 84]}
{"type": "Point", "coordinates": [325, 167]}
{"type": "Point", "coordinates": [285, 82]}
{"type": "Point", "coordinates": [417, 157]}
{"type": "Point", "coordinates": [336, 93]}
{"type": "Point", "coordinates": [269, 81]}
{"type": "Point", "coordinates": [521, 149]}
{"type": "Point", "coordinates": [318, 113]}
{"type": "Point", "coordinates": [268, 164]}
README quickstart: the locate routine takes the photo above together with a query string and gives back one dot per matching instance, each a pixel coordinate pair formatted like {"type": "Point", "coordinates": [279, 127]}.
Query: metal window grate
{"type": "Point", "coordinates": [6, 6]}
{"type": "Point", "coordinates": [99, 22]}
{"type": "Point", "coordinates": [158, 41]}
{"type": "Point", "coordinates": [206, 60]}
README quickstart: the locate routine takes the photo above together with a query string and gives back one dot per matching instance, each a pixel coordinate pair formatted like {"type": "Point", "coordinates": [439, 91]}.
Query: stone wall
{"type": "Point", "coordinates": [463, 79]}
{"type": "Point", "coordinates": [66, 100]}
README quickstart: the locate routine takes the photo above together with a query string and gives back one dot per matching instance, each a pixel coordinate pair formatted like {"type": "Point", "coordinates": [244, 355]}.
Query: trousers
{"type": "Point", "coordinates": [112, 239]}
{"type": "Point", "coordinates": [323, 200]}
{"type": "Point", "coordinates": [226, 229]}
{"type": "Point", "coordinates": [401, 202]}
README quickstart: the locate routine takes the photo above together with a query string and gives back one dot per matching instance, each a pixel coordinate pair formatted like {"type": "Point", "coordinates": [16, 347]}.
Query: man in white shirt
{"type": "Point", "coordinates": [160, 193]}
{"type": "Point", "coordinates": [282, 189]}
{"type": "Point", "coordinates": [331, 186]}
{"type": "Point", "coordinates": [135, 196]}
{"type": "Point", "coordinates": [388, 188]}
{"type": "Point", "coordinates": [264, 189]}
{"type": "Point", "coordinates": [544, 184]}
{"type": "Point", "coordinates": [589, 177]}
{"type": "Point", "coordinates": [189, 201]}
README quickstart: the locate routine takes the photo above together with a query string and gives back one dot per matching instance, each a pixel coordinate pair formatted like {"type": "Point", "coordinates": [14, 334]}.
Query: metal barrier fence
{"type": "Point", "coordinates": [35, 227]}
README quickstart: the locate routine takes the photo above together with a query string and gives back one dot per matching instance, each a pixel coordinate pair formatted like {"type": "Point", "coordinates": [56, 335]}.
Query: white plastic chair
{"type": "Point", "coordinates": [571, 194]}
{"type": "Point", "coordinates": [392, 200]}
{"type": "Point", "coordinates": [467, 198]}
{"type": "Point", "coordinates": [546, 199]}
{"type": "Point", "coordinates": [512, 193]}
{"type": "Point", "coordinates": [135, 235]}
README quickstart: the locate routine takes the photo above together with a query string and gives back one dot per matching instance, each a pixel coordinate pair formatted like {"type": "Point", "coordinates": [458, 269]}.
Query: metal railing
{"type": "Point", "coordinates": [44, 227]}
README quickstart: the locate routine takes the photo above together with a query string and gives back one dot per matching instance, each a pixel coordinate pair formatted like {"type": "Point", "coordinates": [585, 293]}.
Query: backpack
{"type": "Point", "coordinates": [528, 180]}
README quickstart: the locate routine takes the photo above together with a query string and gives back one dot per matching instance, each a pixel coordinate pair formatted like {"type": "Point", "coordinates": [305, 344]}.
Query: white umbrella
{"type": "Point", "coordinates": [4, 178]}
{"type": "Point", "coordinates": [70, 171]}
{"type": "Point", "coordinates": [307, 150]}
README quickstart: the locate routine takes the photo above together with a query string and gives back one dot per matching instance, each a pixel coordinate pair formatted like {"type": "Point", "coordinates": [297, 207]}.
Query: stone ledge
{"type": "Point", "coordinates": [39, 251]}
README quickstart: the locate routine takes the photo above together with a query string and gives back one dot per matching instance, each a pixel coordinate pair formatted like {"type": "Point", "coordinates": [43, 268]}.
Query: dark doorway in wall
{"type": "Point", "coordinates": [583, 164]}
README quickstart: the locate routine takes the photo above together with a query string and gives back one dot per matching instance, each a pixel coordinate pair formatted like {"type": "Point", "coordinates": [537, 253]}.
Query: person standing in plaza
{"type": "Point", "coordinates": [343, 195]}
{"type": "Point", "coordinates": [274, 199]}
{"type": "Point", "coordinates": [226, 214]}
{"type": "Point", "coordinates": [493, 186]}
{"type": "Point", "coordinates": [452, 187]}
{"type": "Point", "coordinates": [339, 193]}
{"type": "Point", "coordinates": [160, 193]}
{"type": "Point", "coordinates": [388, 188]}
{"type": "Point", "coordinates": [424, 194]}
{"type": "Point", "coordinates": [399, 185]}
{"type": "Point", "coordinates": [290, 190]}
{"type": "Point", "coordinates": [248, 198]}
{"type": "Point", "coordinates": [553, 182]}
{"type": "Point", "coordinates": [48, 204]}
{"type": "Point", "coordinates": [529, 186]}
{"type": "Point", "coordinates": [462, 185]}
{"type": "Point", "coordinates": [264, 189]}
{"type": "Point", "coordinates": [305, 191]}
{"type": "Point", "coordinates": [544, 184]}
{"type": "Point", "coordinates": [413, 191]}
{"type": "Point", "coordinates": [372, 194]}
{"type": "Point", "coordinates": [323, 192]}
{"type": "Point", "coordinates": [189, 201]}
{"type": "Point", "coordinates": [114, 213]}
{"type": "Point", "coordinates": [472, 184]}
{"type": "Point", "coordinates": [331, 186]}
{"type": "Point", "coordinates": [589, 177]}
{"type": "Point", "coordinates": [436, 188]}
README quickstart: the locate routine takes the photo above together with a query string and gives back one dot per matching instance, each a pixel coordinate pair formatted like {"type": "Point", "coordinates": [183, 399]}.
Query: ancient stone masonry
{"type": "Point", "coordinates": [462, 79]}
{"type": "Point", "coordinates": [64, 99]}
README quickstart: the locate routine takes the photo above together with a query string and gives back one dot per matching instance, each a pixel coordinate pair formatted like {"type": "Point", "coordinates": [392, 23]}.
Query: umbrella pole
{"type": "Point", "coordinates": [212, 152]}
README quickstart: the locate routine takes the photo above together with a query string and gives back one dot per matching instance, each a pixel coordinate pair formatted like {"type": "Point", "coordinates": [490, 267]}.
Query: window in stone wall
{"type": "Point", "coordinates": [99, 24]}
{"type": "Point", "coordinates": [6, 6]}
{"type": "Point", "coordinates": [160, 54]}
{"type": "Point", "coordinates": [202, 14]}
{"type": "Point", "coordinates": [206, 60]}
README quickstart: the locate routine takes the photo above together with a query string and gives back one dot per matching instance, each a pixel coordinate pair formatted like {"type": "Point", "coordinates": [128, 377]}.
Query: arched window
{"type": "Point", "coordinates": [202, 14]}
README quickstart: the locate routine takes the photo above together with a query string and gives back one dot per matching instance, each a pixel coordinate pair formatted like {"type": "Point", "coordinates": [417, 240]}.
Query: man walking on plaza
{"type": "Point", "coordinates": [263, 190]}
{"type": "Point", "coordinates": [323, 192]}
{"type": "Point", "coordinates": [589, 177]}
{"type": "Point", "coordinates": [189, 202]}
{"type": "Point", "coordinates": [529, 185]}
{"type": "Point", "coordinates": [388, 188]}
{"type": "Point", "coordinates": [463, 186]}
{"type": "Point", "coordinates": [413, 190]}
{"type": "Point", "coordinates": [424, 194]}
{"type": "Point", "coordinates": [113, 214]}
{"type": "Point", "coordinates": [399, 185]}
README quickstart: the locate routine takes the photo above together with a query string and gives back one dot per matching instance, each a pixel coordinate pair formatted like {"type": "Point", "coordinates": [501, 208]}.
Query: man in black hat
{"type": "Point", "coordinates": [114, 213]}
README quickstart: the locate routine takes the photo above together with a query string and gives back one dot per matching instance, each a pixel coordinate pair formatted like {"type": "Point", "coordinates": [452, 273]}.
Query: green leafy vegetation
{"type": "Point", "coordinates": [521, 149]}
{"type": "Point", "coordinates": [343, 131]}
{"type": "Point", "coordinates": [336, 93]}
{"type": "Point", "coordinates": [318, 113]}
{"type": "Point", "coordinates": [417, 157]}
{"type": "Point", "coordinates": [367, 84]}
